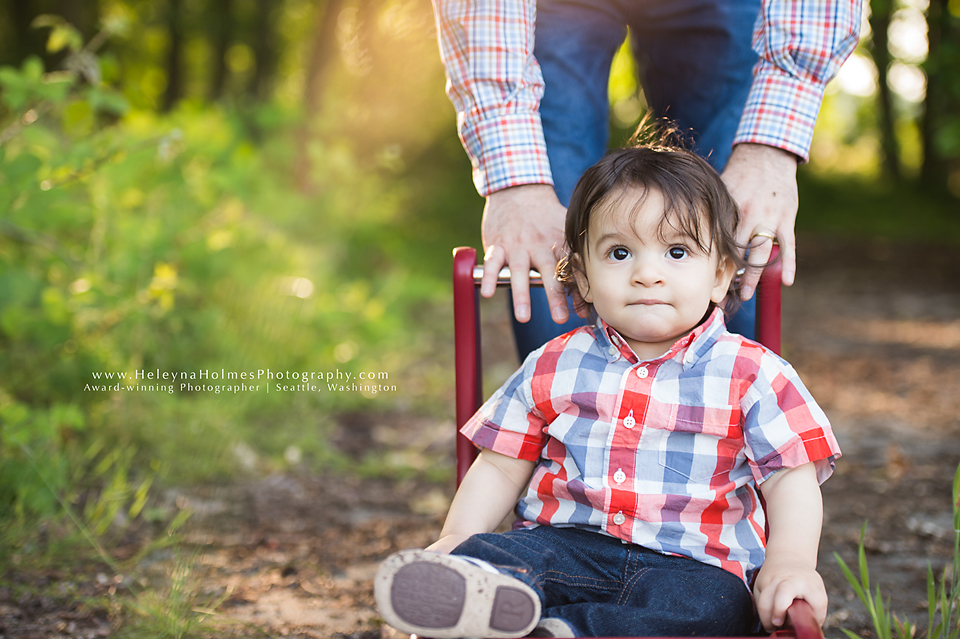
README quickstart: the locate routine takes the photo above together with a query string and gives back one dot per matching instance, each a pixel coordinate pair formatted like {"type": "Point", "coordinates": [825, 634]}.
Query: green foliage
{"type": "Point", "coordinates": [943, 597]}
{"type": "Point", "coordinates": [132, 243]}
{"type": "Point", "coordinates": [857, 208]}
{"type": "Point", "coordinates": [178, 610]}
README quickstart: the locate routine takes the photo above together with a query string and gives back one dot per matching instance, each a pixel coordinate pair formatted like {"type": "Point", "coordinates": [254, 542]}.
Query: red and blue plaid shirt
{"type": "Point", "coordinates": [495, 83]}
{"type": "Point", "coordinates": [665, 453]}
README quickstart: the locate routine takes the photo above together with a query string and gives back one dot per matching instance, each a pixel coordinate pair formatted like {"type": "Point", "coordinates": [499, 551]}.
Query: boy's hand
{"type": "Point", "coordinates": [783, 579]}
{"type": "Point", "coordinates": [447, 543]}
{"type": "Point", "coordinates": [794, 514]}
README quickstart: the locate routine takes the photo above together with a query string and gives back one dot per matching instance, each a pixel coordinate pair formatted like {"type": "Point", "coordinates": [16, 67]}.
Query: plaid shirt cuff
{"type": "Point", "coordinates": [781, 111]}
{"type": "Point", "coordinates": [506, 442]}
{"type": "Point", "coordinates": [507, 151]}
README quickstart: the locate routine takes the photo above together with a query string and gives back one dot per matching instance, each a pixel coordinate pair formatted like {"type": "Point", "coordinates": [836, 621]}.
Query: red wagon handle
{"type": "Point", "coordinates": [466, 334]}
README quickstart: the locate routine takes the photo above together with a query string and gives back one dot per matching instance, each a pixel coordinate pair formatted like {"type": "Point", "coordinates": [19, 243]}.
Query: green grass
{"type": "Point", "coordinates": [854, 207]}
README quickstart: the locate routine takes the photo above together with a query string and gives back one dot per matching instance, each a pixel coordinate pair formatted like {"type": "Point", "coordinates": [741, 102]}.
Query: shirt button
{"type": "Point", "coordinates": [642, 372]}
{"type": "Point", "coordinates": [618, 519]}
{"type": "Point", "coordinates": [613, 351]}
{"type": "Point", "coordinates": [619, 476]}
{"type": "Point", "coordinates": [629, 421]}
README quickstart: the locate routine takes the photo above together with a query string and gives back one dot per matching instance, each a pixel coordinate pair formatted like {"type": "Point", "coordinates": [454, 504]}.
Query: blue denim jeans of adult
{"type": "Point", "coordinates": [603, 587]}
{"type": "Point", "coordinates": [696, 66]}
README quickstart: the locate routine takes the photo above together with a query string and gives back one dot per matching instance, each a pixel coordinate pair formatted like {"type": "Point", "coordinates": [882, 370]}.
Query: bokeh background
{"type": "Point", "coordinates": [252, 185]}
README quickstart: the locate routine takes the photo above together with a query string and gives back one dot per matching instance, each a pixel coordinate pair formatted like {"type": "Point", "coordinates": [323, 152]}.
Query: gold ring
{"type": "Point", "coordinates": [769, 236]}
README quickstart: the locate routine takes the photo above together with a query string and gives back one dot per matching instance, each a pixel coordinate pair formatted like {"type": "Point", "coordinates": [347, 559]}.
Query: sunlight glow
{"type": "Point", "coordinates": [297, 287]}
{"type": "Point", "coordinates": [908, 81]}
{"type": "Point", "coordinates": [908, 36]}
{"type": "Point", "coordinates": [858, 76]}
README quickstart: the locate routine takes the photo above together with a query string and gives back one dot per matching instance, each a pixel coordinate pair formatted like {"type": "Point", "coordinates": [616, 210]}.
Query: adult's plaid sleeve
{"type": "Point", "coordinates": [495, 85]}
{"type": "Point", "coordinates": [802, 44]}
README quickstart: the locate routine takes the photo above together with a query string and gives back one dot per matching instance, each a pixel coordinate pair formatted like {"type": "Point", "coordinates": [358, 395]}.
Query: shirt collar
{"type": "Point", "coordinates": [689, 348]}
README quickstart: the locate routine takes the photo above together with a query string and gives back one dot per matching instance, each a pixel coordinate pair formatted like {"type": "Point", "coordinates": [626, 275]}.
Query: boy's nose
{"type": "Point", "coordinates": [646, 271]}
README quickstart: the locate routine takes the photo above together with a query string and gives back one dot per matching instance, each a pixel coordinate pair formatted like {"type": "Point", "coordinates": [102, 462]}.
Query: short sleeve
{"type": "Point", "coordinates": [508, 422]}
{"type": "Point", "coordinates": [783, 425]}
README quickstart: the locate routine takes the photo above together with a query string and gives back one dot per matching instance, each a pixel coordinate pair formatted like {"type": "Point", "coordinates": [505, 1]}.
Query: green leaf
{"type": "Point", "coordinates": [862, 554]}
{"type": "Point", "coordinates": [47, 20]}
{"type": "Point", "coordinates": [851, 579]}
{"type": "Point", "coordinates": [64, 36]}
{"type": "Point", "coordinates": [881, 619]}
{"type": "Point", "coordinates": [140, 497]}
{"type": "Point", "coordinates": [178, 521]}
{"type": "Point", "coordinates": [107, 101]}
{"type": "Point", "coordinates": [32, 68]}
{"type": "Point", "coordinates": [931, 597]}
{"type": "Point", "coordinates": [905, 629]}
{"type": "Point", "coordinates": [16, 90]}
{"type": "Point", "coordinates": [56, 90]}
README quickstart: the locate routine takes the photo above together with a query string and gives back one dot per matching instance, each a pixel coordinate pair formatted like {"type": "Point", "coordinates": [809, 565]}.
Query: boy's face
{"type": "Point", "coordinates": [644, 278]}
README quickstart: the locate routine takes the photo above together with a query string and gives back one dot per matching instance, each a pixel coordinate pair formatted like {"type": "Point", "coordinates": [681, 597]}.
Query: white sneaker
{"type": "Point", "coordinates": [448, 596]}
{"type": "Point", "coordinates": [550, 627]}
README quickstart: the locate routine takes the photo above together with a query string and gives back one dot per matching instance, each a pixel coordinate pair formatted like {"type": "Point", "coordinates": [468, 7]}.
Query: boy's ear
{"type": "Point", "coordinates": [576, 265]}
{"type": "Point", "coordinates": [725, 272]}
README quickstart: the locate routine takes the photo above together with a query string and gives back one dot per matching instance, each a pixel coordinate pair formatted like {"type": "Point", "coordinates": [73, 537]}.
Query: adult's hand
{"type": "Point", "coordinates": [523, 228]}
{"type": "Point", "coordinates": [763, 180]}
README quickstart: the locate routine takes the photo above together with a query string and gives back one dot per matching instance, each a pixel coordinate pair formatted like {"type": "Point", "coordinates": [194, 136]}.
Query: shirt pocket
{"type": "Point", "coordinates": [697, 448]}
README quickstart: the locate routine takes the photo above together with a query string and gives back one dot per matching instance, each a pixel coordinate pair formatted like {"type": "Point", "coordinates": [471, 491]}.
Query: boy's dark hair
{"type": "Point", "coordinates": [690, 187]}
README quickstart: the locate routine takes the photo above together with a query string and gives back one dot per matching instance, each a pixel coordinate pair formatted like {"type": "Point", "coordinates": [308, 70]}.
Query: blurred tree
{"type": "Point", "coordinates": [265, 49]}
{"type": "Point", "coordinates": [83, 14]}
{"type": "Point", "coordinates": [223, 25]}
{"type": "Point", "coordinates": [174, 58]}
{"type": "Point", "coordinates": [20, 39]}
{"type": "Point", "coordinates": [881, 12]}
{"type": "Point", "coordinates": [940, 123]}
{"type": "Point", "coordinates": [323, 48]}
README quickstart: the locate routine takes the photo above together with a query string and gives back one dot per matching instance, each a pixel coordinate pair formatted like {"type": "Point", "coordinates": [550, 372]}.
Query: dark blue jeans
{"type": "Point", "coordinates": [605, 588]}
{"type": "Point", "coordinates": [696, 66]}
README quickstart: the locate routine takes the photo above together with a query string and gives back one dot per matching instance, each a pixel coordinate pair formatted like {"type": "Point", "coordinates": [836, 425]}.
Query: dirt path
{"type": "Point", "coordinates": [874, 330]}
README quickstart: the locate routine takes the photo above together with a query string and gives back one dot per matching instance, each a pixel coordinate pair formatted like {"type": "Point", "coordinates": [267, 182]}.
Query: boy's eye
{"type": "Point", "coordinates": [619, 253]}
{"type": "Point", "coordinates": [677, 252]}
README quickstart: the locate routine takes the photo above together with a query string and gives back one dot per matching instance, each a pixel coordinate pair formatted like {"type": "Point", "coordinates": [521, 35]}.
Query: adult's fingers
{"type": "Point", "coordinates": [524, 225]}
{"type": "Point", "coordinates": [520, 287]}
{"type": "Point", "coordinates": [761, 248]}
{"type": "Point", "coordinates": [545, 262]}
{"type": "Point", "coordinates": [493, 260]}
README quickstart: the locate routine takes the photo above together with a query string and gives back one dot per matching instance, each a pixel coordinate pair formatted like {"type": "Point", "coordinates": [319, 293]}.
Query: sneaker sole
{"type": "Point", "coordinates": [434, 595]}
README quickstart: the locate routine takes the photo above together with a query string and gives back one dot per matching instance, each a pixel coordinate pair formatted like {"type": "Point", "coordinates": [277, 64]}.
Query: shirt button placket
{"type": "Point", "coordinates": [619, 476]}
